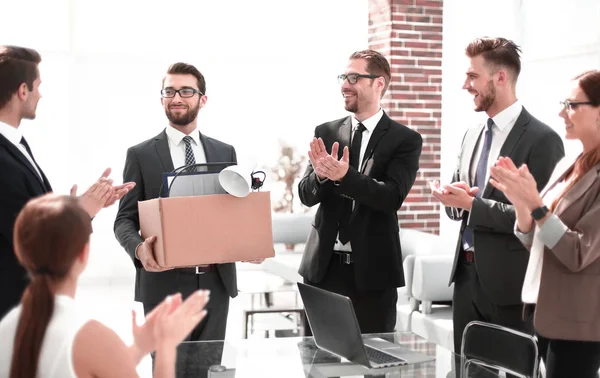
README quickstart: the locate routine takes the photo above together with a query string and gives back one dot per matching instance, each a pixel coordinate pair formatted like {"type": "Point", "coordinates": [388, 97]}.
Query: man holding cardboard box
{"type": "Point", "coordinates": [183, 95]}
{"type": "Point", "coordinates": [361, 170]}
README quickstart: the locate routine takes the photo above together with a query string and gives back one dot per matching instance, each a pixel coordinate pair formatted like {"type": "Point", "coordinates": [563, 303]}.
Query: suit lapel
{"type": "Point", "coordinates": [161, 143]}
{"type": "Point", "coordinates": [379, 131]}
{"type": "Point", "coordinates": [578, 189]}
{"type": "Point", "coordinates": [509, 144]}
{"type": "Point", "coordinates": [344, 136]}
{"type": "Point", "coordinates": [382, 127]}
{"type": "Point", "coordinates": [515, 134]}
{"type": "Point", "coordinates": [470, 145]}
{"type": "Point", "coordinates": [45, 180]}
{"type": "Point", "coordinates": [18, 155]}
{"type": "Point", "coordinates": [209, 149]}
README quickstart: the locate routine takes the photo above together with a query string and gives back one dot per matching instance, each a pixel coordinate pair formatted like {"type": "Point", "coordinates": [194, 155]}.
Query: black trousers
{"type": "Point", "coordinates": [375, 309]}
{"type": "Point", "coordinates": [569, 358]}
{"type": "Point", "coordinates": [471, 303]}
{"type": "Point", "coordinates": [212, 327]}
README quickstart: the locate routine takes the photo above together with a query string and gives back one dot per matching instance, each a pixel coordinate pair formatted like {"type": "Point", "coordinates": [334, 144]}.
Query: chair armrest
{"type": "Point", "coordinates": [409, 266]}
{"type": "Point", "coordinates": [430, 277]}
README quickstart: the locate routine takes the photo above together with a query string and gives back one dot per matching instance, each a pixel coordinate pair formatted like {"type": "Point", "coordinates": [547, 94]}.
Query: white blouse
{"type": "Point", "coordinates": [531, 285]}
{"type": "Point", "coordinates": [56, 355]}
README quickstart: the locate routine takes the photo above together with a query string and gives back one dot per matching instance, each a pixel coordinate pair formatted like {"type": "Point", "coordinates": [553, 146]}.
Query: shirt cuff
{"type": "Point", "coordinates": [458, 212]}
{"type": "Point", "coordinates": [136, 250]}
{"type": "Point", "coordinates": [525, 238]}
{"type": "Point", "coordinates": [321, 181]}
{"type": "Point", "coordinates": [552, 231]}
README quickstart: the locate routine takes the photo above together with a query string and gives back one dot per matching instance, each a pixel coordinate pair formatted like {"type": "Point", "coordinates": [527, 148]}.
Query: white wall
{"type": "Point", "coordinates": [270, 67]}
{"type": "Point", "coordinates": [559, 40]}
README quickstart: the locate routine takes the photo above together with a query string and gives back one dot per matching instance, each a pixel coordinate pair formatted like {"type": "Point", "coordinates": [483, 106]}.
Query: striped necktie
{"type": "Point", "coordinates": [189, 153]}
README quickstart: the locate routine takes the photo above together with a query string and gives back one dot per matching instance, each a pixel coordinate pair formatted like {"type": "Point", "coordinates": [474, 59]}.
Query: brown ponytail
{"type": "Point", "coordinates": [38, 299]}
{"type": "Point", "coordinates": [50, 233]}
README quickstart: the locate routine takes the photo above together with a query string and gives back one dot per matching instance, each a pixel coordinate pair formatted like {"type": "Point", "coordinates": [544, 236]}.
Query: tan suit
{"type": "Point", "coordinates": [568, 305]}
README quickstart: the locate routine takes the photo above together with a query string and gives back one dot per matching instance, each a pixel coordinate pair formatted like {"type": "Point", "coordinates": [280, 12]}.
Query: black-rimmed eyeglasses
{"type": "Point", "coordinates": [183, 92]}
{"type": "Point", "coordinates": [572, 105]}
{"type": "Point", "coordinates": [353, 78]}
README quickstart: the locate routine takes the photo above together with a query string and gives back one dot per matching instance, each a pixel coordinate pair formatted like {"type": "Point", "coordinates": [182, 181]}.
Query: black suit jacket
{"type": "Point", "coordinates": [501, 260]}
{"type": "Point", "coordinates": [19, 183]}
{"type": "Point", "coordinates": [144, 165]}
{"type": "Point", "coordinates": [387, 173]}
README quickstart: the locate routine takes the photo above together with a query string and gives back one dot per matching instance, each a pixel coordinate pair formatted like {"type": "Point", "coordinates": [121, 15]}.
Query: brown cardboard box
{"type": "Point", "coordinates": [208, 229]}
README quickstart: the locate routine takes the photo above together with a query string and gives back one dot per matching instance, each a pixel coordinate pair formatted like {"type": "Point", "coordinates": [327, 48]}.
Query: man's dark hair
{"type": "Point", "coordinates": [377, 64]}
{"type": "Point", "coordinates": [18, 65]}
{"type": "Point", "coordinates": [184, 68]}
{"type": "Point", "coordinates": [498, 53]}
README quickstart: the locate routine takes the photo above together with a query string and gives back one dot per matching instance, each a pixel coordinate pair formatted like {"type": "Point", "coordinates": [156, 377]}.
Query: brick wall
{"type": "Point", "coordinates": [409, 34]}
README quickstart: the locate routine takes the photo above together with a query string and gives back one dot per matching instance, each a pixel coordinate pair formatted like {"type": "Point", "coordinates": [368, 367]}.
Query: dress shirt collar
{"type": "Point", "coordinates": [177, 136]}
{"type": "Point", "coordinates": [508, 116]}
{"type": "Point", "coordinates": [370, 122]}
{"type": "Point", "coordinates": [11, 133]}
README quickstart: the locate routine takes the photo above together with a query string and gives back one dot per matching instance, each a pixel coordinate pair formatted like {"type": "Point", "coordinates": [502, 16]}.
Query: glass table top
{"type": "Point", "coordinates": [300, 357]}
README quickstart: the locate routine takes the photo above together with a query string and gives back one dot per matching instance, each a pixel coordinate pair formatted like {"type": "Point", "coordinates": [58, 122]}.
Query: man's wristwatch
{"type": "Point", "coordinates": [539, 213]}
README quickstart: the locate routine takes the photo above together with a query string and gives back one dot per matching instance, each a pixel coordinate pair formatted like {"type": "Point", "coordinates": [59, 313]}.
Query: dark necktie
{"type": "Point", "coordinates": [189, 153]}
{"type": "Point", "coordinates": [480, 174]}
{"type": "Point", "coordinates": [24, 143]}
{"type": "Point", "coordinates": [348, 203]}
{"type": "Point", "coordinates": [39, 170]}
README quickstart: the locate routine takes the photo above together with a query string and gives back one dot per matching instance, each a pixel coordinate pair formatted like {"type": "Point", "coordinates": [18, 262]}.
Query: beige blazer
{"type": "Point", "coordinates": [568, 304]}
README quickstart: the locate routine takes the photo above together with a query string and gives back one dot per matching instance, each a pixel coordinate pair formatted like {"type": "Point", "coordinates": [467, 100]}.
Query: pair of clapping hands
{"type": "Point", "coordinates": [168, 323]}
{"type": "Point", "coordinates": [517, 184]}
{"type": "Point", "coordinates": [328, 166]}
{"type": "Point", "coordinates": [101, 194]}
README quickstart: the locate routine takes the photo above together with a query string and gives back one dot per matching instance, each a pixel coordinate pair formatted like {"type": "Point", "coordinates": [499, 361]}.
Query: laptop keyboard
{"type": "Point", "coordinates": [381, 358]}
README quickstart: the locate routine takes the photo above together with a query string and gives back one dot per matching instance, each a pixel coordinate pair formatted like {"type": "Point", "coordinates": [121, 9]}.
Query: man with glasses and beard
{"type": "Point", "coordinates": [361, 169]}
{"type": "Point", "coordinates": [490, 262]}
{"type": "Point", "coordinates": [181, 143]}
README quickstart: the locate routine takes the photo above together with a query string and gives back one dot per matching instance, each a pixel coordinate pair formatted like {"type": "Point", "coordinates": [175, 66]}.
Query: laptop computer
{"type": "Point", "coordinates": [335, 329]}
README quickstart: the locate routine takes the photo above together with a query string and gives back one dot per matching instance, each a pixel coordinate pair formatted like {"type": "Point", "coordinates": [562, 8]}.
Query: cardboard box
{"type": "Point", "coordinates": [208, 229]}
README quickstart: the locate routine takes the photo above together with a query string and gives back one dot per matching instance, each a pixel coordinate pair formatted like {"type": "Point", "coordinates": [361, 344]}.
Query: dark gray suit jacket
{"type": "Point", "coordinates": [144, 165]}
{"type": "Point", "coordinates": [501, 259]}
{"type": "Point", "coordinates": [379, 187]}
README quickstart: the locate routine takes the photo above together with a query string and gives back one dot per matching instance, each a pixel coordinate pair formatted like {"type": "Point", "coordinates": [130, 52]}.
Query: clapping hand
{"type": "Point", "coordinates": [101, 194]}
{"type": "Point", "coordinates": [517, 184]}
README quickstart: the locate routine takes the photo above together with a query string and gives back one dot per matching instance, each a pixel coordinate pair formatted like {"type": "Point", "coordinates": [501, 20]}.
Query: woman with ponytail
{"type": "Point", "coordinates": [44, 336]}
{"type": "Point", "coordinates": [561, 228]}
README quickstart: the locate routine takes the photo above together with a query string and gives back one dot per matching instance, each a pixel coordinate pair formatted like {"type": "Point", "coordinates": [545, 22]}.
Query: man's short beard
{"type": "Point", "coordinates": [488, 100]}
{"type": "Point", "coordinates": [352, 108]}
{"type": "Point", "coordinates": [184, 119]}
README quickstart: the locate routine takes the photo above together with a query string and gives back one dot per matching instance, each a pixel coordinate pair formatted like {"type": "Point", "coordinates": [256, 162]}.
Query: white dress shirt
{"type": "Point", "coordinates": [14, 136]}
{"type": "Point", "coordinates": [503, 124]}
{"type": "Point", "coordinates": [369, 125]}
{"type": "Point", "coordinates": [177, 147]}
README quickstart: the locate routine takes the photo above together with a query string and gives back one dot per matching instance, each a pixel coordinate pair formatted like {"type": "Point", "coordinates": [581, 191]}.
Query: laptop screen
{"type": "Point", "coordinates": [333, 323]}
